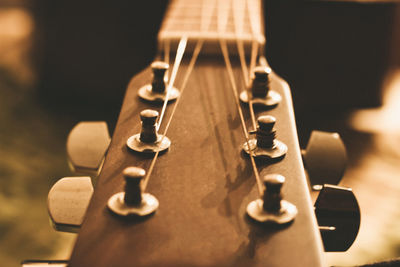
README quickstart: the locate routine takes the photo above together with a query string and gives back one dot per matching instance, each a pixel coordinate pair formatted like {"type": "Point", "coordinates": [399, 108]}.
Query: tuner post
{"type": "Point", "coordinates": [260, 88]}
{"type": "Point", "coordinates": [133, 201]}
{"type": "Point", "coordinates": [272, 208]}
{"type": "Point", "coordinates": [157, 90]}
{"type": "Point", "coordinates": [265, 144]}
{"type": "Point", "coordinates": [148, 140]}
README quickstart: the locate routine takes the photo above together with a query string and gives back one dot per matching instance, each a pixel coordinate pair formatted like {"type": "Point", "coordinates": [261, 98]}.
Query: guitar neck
{"type": "Point", "coordinates": [210, 21]}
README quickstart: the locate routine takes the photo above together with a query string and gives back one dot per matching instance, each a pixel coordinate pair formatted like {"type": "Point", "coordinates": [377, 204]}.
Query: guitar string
{"type": "Point", "coordinates": [239, 8]}
{"type": "Point", "coordinates": [205, 24]}
{"type": "Point", "coordinates": [255, 19]}
{"type": "Point", "coordinates": [178, 59]}
{"type": "Point", "coordinates": [167, 48]}
{"type": "Point", "coordinates": [186, 77]}
{"type": "Point", "coordinates": [225, 53]}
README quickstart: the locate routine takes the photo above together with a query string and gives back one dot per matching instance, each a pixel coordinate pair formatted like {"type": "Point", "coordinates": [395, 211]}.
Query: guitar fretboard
{"type": "Point", "coordinates": [208, 20]}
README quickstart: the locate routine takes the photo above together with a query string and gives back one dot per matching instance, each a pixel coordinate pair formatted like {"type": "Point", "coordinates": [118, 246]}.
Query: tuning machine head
{"type": "Point", "coordinates": [156, 91]}
{"type": "Point", "coordinates": [261, 93]}
{"type": "Point", "coordinates": [325, 158]}
{"type": "Point", "coordinates": [265, 144]}
{"type": "Point", "coordinates": [148, 140]}
{"type": "Point", "coordinates": [133, 201]}
{"type": "Point", "coordinates": [67, 202]}
{"type": "Point", "coordinates": [87, 145]}
{"type": "Point", "coordinates": [272, 208]}
{"type": "Point", "coordinates": [338, 216]}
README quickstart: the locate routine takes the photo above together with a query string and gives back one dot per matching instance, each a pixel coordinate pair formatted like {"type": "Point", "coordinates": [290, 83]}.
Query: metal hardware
{"type": "Point", "coordinates": [148, 140]}
{"type": "Point", "coordinates": [261, 92]}
{"type": "Point", "coordinates": [272, 208]}
{"type": "Point", "coordinates": [133, 201]}
{"type": "Point", "coordinates": [265, 144]}
{"type": "Point", "coordinates": [156, 91]}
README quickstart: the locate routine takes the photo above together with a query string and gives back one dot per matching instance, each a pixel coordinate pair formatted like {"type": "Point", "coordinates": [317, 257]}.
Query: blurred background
{"type": "Point", "coordinates": [63, 62]}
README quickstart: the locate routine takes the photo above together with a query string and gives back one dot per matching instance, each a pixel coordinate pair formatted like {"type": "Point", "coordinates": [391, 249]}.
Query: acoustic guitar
{"type": "Point", "coordinates": [204, 166]}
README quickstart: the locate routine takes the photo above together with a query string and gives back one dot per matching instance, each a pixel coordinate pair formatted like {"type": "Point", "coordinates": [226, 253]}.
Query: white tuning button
{"type": "Point", "coordinates": [265, 144]}
{"type": "Point", "coordinates": [325, 159]}
{"type": "Point", "coordinates": [67, 202]}
{"type": "Point", "coordinates": [87, 144]}
{"type": "Point", "coordinates": [148, 140]}
{"type": "Point", "coordinates": [156, 91]}
{"type": "Point", "coordinates": [133, 201]}
{"type": "Point", "coordinates": [272, 208]}
{"type": "Point", "coordinates": [261, 93]}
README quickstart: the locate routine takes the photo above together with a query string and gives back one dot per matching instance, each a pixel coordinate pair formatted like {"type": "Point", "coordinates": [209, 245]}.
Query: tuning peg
{"type": "Point", "coordinates": [325, 158]}
{"type": "Point", "coordinates": [261, 93]}
{"type": "Point", "coordinates": [133, 201]}
{"type": "Point", "coordinates": [67, 202]}
{"type": "Point", "coordinates": [148, 140]}
{"type": "Point", "coordinates": [265, 144]}
{"type": "Point", "coordinates": [272, 208]}
{"type": "Point", "coordinates": [156, 91]}
{"type": "Point", "coordinates": [86, 147]}
{"type": "Point", "coordinates": [338, 216]}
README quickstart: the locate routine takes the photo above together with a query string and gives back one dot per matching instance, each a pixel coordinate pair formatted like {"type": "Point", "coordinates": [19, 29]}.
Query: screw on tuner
{"type": "Point", "coordinates": [133, 201]}
{"type": "Point", "coordinates": [148, 140]}
{"type": "Point", "coordinates": [261, 93]}
{"type": "Point", "coordinates": [265, 143]}
{"type": "Point", "coordinates": [272, 208]}
{"type": "Point", "coordinates": [157, 90]}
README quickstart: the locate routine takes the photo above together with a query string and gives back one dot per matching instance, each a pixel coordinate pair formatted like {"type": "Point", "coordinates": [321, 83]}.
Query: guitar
{"type": "Point", "coordinates": [204, 182]}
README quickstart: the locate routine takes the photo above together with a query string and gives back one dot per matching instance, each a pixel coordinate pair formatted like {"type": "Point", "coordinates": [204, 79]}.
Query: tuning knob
{"type": "Point", "coordinates": [261, 92]}
{"type": "Point", "coordinates": [272, 208]}
{"type": "Point", "coordinates": [338, 216]}
{"type": "Point", "coordinates": [325, 159]}
{"type": "Point", "coordinates": [67, 202]}
{"type": "Point", "coordinates": [148, 140]}
{"type": "Point", "coordinates": [156, 91]}
{"type": "Point", "coordinates": [265, 143]}
{"type": "Point", "coordinates": [133, 201]}
{"type": "Point", "coordinates": [87, 145]}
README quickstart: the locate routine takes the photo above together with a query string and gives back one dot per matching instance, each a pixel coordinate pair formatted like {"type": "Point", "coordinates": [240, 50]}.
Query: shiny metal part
{"type": "Point", "coordinates": [156, 91]}
{"type": "Point", "coordinates": [272, 208]}
{"type": "Point", "coordinates": [148, 140]}
{"type": "Point", "coordinates": [265, 143]}
{"type": "Point", "coordinates": [272, 99]}
{"type": "Point", "coordinates": [148, 205]}
{"type": "Point", "coordinates": [287, 213]}
{"type": "Point", "coordinates": [161, 144]}
{"type": "Point", "coordinates": [279, 149]}
{"type": "Point", "coordinates": [133, 201]}
{"type": "Point", "coordinates": [261, 92]}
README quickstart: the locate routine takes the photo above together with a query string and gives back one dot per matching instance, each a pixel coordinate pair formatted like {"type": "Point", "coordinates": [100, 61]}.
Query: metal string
{"type": "Point", "coordinates": [205, 24]}
{"type": "Point", "coordinates": [222, 20]}
{"type": "Point", "coordinates": [179, 55]}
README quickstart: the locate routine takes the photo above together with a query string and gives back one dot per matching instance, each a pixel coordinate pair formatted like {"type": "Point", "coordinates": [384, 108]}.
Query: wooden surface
{"type": "Point", "coordinates": [204, 184]}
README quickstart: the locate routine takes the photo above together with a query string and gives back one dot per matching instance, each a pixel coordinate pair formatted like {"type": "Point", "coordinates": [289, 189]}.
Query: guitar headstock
{"type": "Point", "coordinates": [204, 166]}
